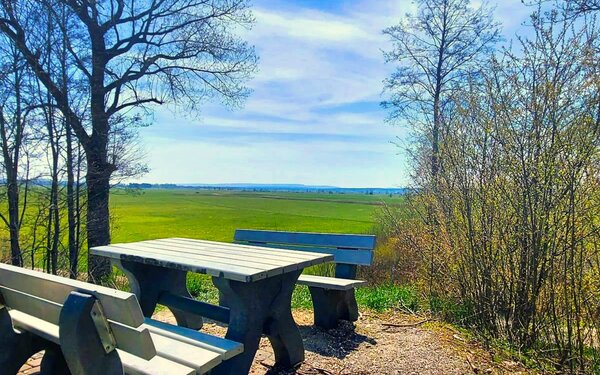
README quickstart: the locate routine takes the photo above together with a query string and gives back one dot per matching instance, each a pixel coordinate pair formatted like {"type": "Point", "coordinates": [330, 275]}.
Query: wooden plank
{"type": "Point", "coordinates": [131, 363]}
{"type": "Point", "coordinates": [218, 259]}
{"type": "Point", "coordinates": [226, 251]}
{"type": "Point", "coordinates": [230, 256]}
{"type": "Point", "coordinates": [358, 257]}
{"type": "Point", "coordinates": [119, 306]}
{"type": "Point", "coordinates": [226, 348]}
{"type": "Point", "coordinates": [39, 327]}
{"type": "Point", "coordinates": [134, 340]}
{"type": "Point", "coordinates": [200, 359]}
{"type": "Point", "coordinates": [302, 257]}
{"type": "Point", "coordinates": [291, 260]}
{"type": "Point", "coordinates": [137, 252]}
{"type": "Point", "coordinates": [31, 305]}
{"type": "Point", "coordinates": [237, 248]}
{"type": "Point", "coordinates": [329, 282]}
{"type": "Point", "coordinates": [350, 241]}
{"type": "Point", "coordinates": [156, 366]}
{"type": "Point", "coordinates": [180, 263]}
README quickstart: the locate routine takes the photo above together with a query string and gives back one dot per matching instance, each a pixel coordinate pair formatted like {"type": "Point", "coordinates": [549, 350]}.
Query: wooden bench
{"type": "Point", "coordinates": [333, 297]}
{"type": "Point", "coordinates": [90, 329]}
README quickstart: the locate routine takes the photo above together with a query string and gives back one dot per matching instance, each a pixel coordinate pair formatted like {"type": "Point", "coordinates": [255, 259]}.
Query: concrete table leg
{"type": "Point", "coordinates": [256, 308]}
{"type": "Point", "coordinates": [148, 282]}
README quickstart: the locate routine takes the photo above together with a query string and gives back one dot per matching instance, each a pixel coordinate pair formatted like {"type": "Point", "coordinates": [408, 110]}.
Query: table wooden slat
{"type": "Point", "coordinates": [231, 261]}
{"type": "Point", "coordinates": [218, 255]}
{"type": "Point", "coordinates": [259, 251]}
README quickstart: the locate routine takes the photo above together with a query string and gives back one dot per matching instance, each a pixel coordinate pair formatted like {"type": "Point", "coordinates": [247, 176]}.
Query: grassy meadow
{"type": "Point", "coordinates": [214, 215]}
{"type": "Point", "coordinates": [145, 214]}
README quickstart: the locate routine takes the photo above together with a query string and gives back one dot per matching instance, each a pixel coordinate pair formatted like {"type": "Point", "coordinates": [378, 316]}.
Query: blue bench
{"type": "Point", "coordinates": [333, 297]}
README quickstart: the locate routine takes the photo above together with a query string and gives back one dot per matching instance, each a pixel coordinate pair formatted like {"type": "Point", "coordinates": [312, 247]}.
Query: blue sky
{"type": "Point", "coordinates": [314, 115]}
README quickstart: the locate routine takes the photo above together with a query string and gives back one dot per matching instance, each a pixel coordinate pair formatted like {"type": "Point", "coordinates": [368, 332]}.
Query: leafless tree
{"type": "Point", "coordinates": [435, 50]}
{"type": "Point", "coordinates": [13, 137]}
{"type": "Point", "coordinates": [130, 55]}
{"type": "Point", "coordinates": [580, 7]}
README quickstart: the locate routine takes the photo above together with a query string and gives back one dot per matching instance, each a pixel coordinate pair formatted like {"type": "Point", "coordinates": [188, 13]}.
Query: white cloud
{"type": "Point", "coordinates": [306, 121]}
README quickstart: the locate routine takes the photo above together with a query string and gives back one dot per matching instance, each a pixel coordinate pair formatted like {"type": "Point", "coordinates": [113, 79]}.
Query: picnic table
{"type": "Point", "coordinates": [255, 286]}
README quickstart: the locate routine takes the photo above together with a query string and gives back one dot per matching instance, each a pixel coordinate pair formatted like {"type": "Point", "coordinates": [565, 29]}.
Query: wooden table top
{"type": "Point", "coordinates": [231, 261]}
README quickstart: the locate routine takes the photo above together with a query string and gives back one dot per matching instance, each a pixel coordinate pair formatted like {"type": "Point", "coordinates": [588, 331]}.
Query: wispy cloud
{"type": "Point", "coordinates": [313, 116]}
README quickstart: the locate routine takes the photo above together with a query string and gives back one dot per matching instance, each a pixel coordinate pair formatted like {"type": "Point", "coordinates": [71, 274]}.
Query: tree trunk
{"type": "Point", "coordinates": [73, 242]}
{"type": "Point", "coordinates": [16, 258]}
{"type": "Point", "coordinates": [98, 227]}
{"type": "Point", "coordinates": [435, 141]}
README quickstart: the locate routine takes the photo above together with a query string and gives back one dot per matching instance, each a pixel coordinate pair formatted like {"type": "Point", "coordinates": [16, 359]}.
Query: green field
{"type": "Point", "coordinates": [214, 215]}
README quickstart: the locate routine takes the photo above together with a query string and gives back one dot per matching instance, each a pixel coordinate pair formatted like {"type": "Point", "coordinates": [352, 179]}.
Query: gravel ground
{"type": "Point", "coordinates": [375, 344]}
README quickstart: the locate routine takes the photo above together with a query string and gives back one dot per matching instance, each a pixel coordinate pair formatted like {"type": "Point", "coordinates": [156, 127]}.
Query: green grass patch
{"type": "Point", "coordinates": [388, 296]}
{"type": "Point", "coordinates": [379, 298]}
{"type": "Point", "coordinates": [301, 298]}
{"type": "Point", "coordinates": [201, 287]}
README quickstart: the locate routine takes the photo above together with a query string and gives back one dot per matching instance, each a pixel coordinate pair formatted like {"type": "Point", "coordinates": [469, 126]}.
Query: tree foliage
{"type": "Point", "coordinates": [511, 218]}
{"type": "Point", "coordinates": [105, 64]}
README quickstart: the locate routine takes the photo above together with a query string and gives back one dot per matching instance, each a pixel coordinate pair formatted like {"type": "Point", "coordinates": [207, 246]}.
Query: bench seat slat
{"type": "Point", "coordinates": [134, 340]}
{"type": "Point", "coordinates": [200, 359]}
{"type": "Point", "coordinates": [120, 306]}
{"type": "Point", "coordinates": [156, 366]}
{"type": "Point", "coordinates": [226, 348]}
{"type": "Point", "coordinates": [37, 326]}
{"type": "Point", "coordinates": [174, 356]}
{"type": "Point", "coordinates": [329, 282]}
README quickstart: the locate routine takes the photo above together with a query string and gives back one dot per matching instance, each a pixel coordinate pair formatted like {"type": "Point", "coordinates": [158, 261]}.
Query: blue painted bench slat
{"type": "Point", "coordinates": [354, 249]}
{"type": "Point", "coordinates": [333, 297]}
{"type": "Point", "coordinates": [347, 241]}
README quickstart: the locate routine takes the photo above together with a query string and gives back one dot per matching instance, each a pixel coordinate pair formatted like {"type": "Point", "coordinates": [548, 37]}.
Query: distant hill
{"type": "Point", "coordinates": [299, 188]}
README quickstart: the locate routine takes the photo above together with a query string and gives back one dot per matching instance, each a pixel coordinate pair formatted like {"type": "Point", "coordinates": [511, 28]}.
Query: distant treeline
{"type": "Point", "coordinates": [273, 188]}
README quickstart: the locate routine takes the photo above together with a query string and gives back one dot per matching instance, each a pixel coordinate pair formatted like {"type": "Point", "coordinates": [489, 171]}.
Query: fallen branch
{"type": "Point", "coordinates": [475, 369]}
{"type": "Point", "coordinates": [405, 325]}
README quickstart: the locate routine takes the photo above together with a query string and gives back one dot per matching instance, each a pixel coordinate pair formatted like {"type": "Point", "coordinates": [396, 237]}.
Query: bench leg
{"type": "Point", "coordinates": [79, 341]}
{"type": "Point", "coordinates": [16, 348]}
{"type": "Point", "coordinates": [332, 305]}
{"type": "Point", "coordinates": [256, 308]}
{"type": "Point", "coordinates": [149, 282]}
{"type": "Point", "coordinates": [54, 362]}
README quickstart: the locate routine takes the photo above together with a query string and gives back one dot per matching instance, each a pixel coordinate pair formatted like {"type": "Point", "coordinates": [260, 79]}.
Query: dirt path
{"type": "Point", "coordinates": [376, 344]}
{"type": "Point", "coordinates": [380, 344]}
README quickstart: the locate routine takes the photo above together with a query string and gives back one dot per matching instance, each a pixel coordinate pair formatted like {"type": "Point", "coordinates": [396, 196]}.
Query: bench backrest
{"type": "Point", "coordinates": [42, 296]}
{"type": "Point", "coordinates": [350, 249]}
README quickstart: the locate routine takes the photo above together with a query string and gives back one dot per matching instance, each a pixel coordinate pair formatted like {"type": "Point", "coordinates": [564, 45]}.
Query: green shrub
{"type": "Point", "coordinates": [450, 310]}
